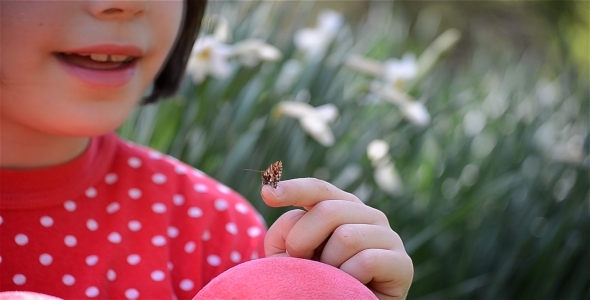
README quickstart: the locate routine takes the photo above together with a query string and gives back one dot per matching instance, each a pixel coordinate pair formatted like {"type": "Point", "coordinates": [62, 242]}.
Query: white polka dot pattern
{"type": "Point", "coordinates": [158, 275]}
{"type": "Point", "coordinates": [91, 192]}
{"type": "Point", "coordinates": [92, 292]}
{"type": "Point", "coordinates": [132, 294]}
{"type": "Point", "coordinates": [146, 215]}
{"type": "Point", "coordinates": [158, 241]}
{"type": "Point", "coordinates": [159, 208]}
{"type": "Point", "coordinates": [134, 225]}
{"type": "Point", "coordinates": [173, 232]}
{"type": "Point", "coordinates": [242, 208]}
{"type": "Point", "coordinates": [178, 199]}
{"type": "Point", "coordinates": [92, 225]}
{"type": "Point", "coordinates": [206, 235]}
{"type": "Point", "coordinates": [70, 205]}
{"type": "Point", "coordinates": [190, 247]}
{"type": "Point", "coordinates": [45, 259]}
{"type": "Point", "coordinates": [134, 193]}
{"type": "Point", "coordinates": [235, 256]}
{"type": "Point", "coordinates": [231, 228]}
{"type": "Point", "coordinates": [254, 232]}
{"type": "Point", "coordinates": [159, 178]}
{"type": "Point", "coordinates": [113, 207]}
{"type": "Point", "coordinates": [111, 275]}
{"type": "Point", "coordinates": [201, 188]}
{"type": "Point", "coordinates": [180, 170]}
{"type": "Point", "coordinates": [224, 189]}
{"type": "Point", "coordinates": [68, 280]}
{"type": "Point", "coordinates": [213, 260]}
{"type": "Point", "coordinates": [21, 239]}
{"type": "Point", "coordinates": [91, 260]}
{"type": "Point", "coordinates": [134, 162]}
{"type": "Point", "coordinates": [133, 259]}
{"type": "Point", "coordinates": [220, 204]}
{"type": "Point", "coordinates": [111, 178]}
{"type": "Point", "coordinates": [195, 212]}
{"type": "Point", "coordinates": [70, 241]}
{"type": "Point", "coordinates": [187, 285]}
{"type": "Point", "coordinates": [46, 221]}
{"type": "Point", "coordinates": [114, 237]}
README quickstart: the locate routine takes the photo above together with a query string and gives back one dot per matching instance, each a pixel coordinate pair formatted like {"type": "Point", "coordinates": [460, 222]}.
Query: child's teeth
{"type": "Point", "coordinates": [118, 58]}
{"type": "Point", "coordinates": [99, 57]}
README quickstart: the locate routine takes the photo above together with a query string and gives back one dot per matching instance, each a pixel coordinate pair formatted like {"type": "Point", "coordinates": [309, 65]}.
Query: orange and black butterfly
{"type": "Point", "coordinates": [272, 175]}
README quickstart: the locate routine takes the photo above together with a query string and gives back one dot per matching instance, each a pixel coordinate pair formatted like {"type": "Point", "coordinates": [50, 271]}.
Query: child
{"type": "Point", "coordinates": [84, 214]}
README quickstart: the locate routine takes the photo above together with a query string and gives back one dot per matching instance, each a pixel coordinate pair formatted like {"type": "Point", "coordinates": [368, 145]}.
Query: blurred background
{"type": "Point", "coordinates": [466, 122]}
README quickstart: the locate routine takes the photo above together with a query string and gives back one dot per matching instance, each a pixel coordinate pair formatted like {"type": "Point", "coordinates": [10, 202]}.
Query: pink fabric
{"type": "Point", "coordinates": [13, 295]}
{"type": "Point", "coordinates": [284, 278]}
{"type": "Point", "coordinates": [121, 221]}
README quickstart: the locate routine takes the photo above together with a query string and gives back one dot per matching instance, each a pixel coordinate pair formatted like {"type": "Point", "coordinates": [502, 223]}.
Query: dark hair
{"type": "Point", "coordinates": [171, 75]}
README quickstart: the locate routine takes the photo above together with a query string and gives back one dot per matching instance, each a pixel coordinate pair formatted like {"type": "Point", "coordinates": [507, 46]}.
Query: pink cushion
{"type": "Point", "coordinates": [25, 296]}
{"type": "Point", "coordinates": [284, 278]}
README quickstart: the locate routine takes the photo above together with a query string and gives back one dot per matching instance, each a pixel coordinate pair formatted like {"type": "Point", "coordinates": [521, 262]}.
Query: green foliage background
{"type": "Point", "coordinates": [502, 214]}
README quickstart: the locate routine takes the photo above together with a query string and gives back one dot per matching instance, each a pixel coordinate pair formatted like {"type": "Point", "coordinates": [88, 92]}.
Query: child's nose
{"type": "Point", "coordinates": [117, 10]}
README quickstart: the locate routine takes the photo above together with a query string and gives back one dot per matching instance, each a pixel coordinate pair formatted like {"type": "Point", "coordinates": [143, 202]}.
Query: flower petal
{"type": "Point", "coordinates": [388, 179]}
{"type": "Point", "coordinates": [327, 112]}
{"type": "Point", "coordinates": [377, 150]}
{"type": "Point", "coordinates": [294, 109]}
{"type": "Point", "coordinates": [330, 21]}
{"type": "Point", "coordinates": [318, 130]}
{"type": "Point", "coordinates": [416, 113]}
{"type": "Point", "coordinates": [404, 69]}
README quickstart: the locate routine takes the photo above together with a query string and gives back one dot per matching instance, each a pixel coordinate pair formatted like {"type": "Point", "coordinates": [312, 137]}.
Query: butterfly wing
{"type": "Point", "coordinates": [272, 175]}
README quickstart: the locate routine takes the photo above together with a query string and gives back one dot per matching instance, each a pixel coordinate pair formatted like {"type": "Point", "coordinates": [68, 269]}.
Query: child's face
{"type": "Point", "coordinates": [47, 86]}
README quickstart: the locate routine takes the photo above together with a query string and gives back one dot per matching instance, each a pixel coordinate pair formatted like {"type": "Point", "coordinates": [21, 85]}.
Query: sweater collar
{"type": "Point", "coordinates": [34, 188]}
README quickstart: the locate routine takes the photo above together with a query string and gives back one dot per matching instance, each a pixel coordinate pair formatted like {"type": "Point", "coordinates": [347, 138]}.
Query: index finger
{"type": "Point", "coordinates": [303, 192]}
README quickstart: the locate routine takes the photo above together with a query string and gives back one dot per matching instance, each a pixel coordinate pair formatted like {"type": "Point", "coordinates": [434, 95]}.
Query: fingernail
{"type": "Point", "coordinates": [277, 192]}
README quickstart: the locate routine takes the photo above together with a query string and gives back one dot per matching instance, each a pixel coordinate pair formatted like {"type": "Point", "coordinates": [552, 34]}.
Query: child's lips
{"type": "Point", "coordinates": [96, 61]}
{"type": "Point", "coordinates": [99, 70]}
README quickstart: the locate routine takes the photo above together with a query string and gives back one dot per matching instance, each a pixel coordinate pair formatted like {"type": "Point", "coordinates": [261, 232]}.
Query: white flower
{"type": "Point", "coordinates": [377, 150]}
{"type": "Point", "coordinates": [396, 71]}
{"type": "Point", "coordinates": [314, 120]}
{"type": "Point", "coordinates": [388, 179]}
{"type": "Point", "coordinates": [315, 41]}
{"type": "Point", "coordinates": [364, 65]}
{"type": "Point", "coordinates": [209, 57]}
{"type": "Point", "coordinates": [393, 71]}
{"type": "Point", "coordinates": [250, 52]}
{"type": "Point", "coordinates": [414, 111]}
{"type": "Point", "coordinates": [385, 173]}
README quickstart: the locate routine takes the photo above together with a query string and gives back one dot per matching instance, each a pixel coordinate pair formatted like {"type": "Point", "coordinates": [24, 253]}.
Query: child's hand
{"type": "Point", "coordinates": [339, 230]}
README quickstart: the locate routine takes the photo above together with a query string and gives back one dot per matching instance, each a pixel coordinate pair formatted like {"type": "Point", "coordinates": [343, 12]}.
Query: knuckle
{"type": "Point", "coordinates": [397, 240]}
{"type": "Point", "coordinates": [408, 262]}
{"type": "Point", "coordinates": [380, 216]}
{"type": "Point", "coordinates": [327, 210]}
{"type": "Point", "coordinates": [294, 247]}
{"type": "Point", "coordinates": [318, 182]}
{"type": "Point", "coordinates": [367, 261]}
{"type": "Point", "coordinates": [346, 235]}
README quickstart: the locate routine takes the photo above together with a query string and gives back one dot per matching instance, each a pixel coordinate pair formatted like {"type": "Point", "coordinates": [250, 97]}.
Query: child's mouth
{"type": "Point", "coordinates": [99, 70]}
{"type": "Point", "coordinates": [96, 61]}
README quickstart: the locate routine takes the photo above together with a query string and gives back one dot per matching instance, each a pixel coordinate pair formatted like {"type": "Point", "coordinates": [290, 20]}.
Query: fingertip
{"type": "Point", "coordinates": [271, 196]}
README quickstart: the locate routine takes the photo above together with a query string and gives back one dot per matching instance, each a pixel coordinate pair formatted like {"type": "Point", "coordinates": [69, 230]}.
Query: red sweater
{"type": "Point", "coordinates": [121, 221]}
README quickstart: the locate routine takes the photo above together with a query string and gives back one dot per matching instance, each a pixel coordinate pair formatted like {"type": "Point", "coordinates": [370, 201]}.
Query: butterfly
{"type": "Point", "coordinates": [272, 175]}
